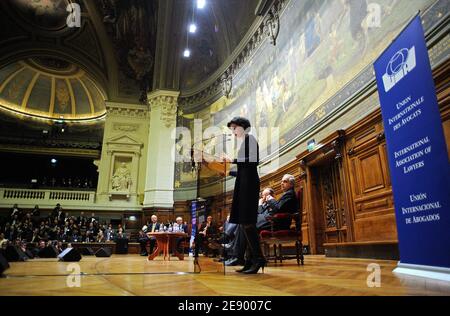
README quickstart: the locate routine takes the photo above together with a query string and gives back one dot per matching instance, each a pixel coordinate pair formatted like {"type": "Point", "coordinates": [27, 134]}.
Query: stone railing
{"type": "Point", "coordinates": [46, 198]}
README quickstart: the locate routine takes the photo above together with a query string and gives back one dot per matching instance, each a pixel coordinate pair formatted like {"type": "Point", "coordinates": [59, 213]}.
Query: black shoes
{"type": "Point", "coordinates": [247, 265]}
{"type": "Point", "coordinates": [255, 267]}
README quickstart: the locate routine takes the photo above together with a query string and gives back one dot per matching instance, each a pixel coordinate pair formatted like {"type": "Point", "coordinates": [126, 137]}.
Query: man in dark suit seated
{"type": "Point", "coordinates": [269, 206]}
{"type": "Point", "coordinates": [206, 236]}
{"type": "Point", "coordinates": [143, 239]}
{"type": "Point", "coordinates": [152, 228]}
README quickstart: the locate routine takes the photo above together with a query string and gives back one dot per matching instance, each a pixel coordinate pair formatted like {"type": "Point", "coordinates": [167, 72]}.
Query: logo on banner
{"type": "Point", "coordinates": [402, 63]}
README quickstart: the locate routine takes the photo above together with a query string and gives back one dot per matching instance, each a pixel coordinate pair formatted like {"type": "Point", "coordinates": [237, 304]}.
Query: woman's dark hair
{"type": "Point", "coordinates": [240, 121]}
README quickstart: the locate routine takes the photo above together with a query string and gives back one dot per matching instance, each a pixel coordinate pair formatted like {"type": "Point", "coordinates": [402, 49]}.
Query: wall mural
{"type": "Point", "coordinates": [322, 46]}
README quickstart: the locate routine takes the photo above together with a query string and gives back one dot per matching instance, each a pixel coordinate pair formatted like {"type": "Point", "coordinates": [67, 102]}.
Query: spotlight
{"type": "Point", "coordinates": [192, 28]}
{"type": "Point", "coordinates": [187, 53]}
{"type": "Point", "coordinates": [201, 4]}
{"type": "Point", "coordinates": [53, 161]}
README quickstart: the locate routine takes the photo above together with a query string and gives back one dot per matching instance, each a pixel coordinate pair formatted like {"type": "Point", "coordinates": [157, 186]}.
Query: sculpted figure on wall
{"type": "Point", "coordinates": [121, 180]}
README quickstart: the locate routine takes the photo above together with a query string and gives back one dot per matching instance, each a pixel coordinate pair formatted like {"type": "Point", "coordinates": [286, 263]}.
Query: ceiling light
{"type": "Point", "coordinates": [201, 4]}
{"type": "Point", "coordinates": [53, 160]}
{"type": "Point", "coordinates": [187, 53]}
{"type": "Point", "coordinates": [192, 28]}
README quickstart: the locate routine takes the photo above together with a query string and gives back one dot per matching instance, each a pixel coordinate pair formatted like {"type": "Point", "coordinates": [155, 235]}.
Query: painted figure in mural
{"type": "Point", "coordinates": [279, 92]}
{"type": "Point", "coordinates": [312, 32]}
{"type": "Point", "coordinates": [264, 105]}
{"type": "Point", "coordinates": [121, 179]}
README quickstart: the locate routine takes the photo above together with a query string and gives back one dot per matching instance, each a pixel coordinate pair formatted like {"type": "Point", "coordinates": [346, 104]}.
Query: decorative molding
{"type": "Point", "coordinates": [125, 127]}
{"type": "Point", "coordinates": [71, 152]}
{"type": "Point", "coordinates": [127, 110]}
{"type": "Point", "coordinates": [272, 22]}
{"type": "Point", "coordinates": [227, 84]}
{"type": "Point", "coordinates": [168, 102]}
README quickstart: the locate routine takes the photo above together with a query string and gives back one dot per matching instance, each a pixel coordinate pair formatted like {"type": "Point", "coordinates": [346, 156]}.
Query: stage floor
{"type": "Point", "coordinates": [135, 275]}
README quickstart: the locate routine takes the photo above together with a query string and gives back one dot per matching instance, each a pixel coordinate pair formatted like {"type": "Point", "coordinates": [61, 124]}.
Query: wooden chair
{"type": "Point", "coordinates": [278, 238]}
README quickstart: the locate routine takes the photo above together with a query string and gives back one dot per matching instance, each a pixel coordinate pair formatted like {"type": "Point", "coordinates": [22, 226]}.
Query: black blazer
{"type": "Point", "coordinates": [244, 208]}
{"type": "Point", "coordinates": [149, 227]}
{"type": "Point", "coordinates": [288, 203]}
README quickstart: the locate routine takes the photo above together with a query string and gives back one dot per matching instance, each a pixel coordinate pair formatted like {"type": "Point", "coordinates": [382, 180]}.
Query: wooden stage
{"type": "Point", "coordinates": [135, 275]}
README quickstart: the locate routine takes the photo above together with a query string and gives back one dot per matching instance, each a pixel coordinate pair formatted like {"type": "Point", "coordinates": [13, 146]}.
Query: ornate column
{"type": "Point", "coordinates": [161, 145]}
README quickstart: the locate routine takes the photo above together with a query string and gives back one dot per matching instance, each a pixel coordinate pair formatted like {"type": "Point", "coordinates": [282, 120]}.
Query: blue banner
{"type": "Point", "coordinates": [417, 152]}
{"type": "Point", "coordinates": [193, 222]}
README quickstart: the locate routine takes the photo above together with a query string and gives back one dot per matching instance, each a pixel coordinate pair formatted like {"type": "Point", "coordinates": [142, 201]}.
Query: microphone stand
{"type": "Point", "coordinates": [197, 166]}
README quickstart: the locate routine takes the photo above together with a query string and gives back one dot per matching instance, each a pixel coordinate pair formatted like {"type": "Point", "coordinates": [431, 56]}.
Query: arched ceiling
{"type": "Point", "coordinates": [50, 88]}
{"type": "Point", "coordinates": [126, 47]}
{"type": "Point", "coordinates": [221, 26]}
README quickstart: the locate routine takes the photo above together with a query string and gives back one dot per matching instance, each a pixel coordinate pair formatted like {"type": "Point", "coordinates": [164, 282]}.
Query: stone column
{"type": "Point", "coordinates": [159, 184]}
{"type": "Point", "coordinates": [124, 141]}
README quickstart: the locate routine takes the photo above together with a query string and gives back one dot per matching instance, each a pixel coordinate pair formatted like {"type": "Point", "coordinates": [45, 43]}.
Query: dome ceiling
{"type": "Point", "coordinates": [50, 88]}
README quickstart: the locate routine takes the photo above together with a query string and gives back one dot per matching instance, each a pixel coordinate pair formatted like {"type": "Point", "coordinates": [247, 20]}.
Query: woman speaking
{"type": "Point", "coordinates": [244, 208]}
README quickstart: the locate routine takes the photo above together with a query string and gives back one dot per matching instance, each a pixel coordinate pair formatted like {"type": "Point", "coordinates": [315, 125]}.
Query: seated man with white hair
{"type": "Point", "coordinates": [152, 228]}
{"type": "Point", "coordinates": [180, 227]}
{"type": "Point", "coordinates": [288, 203]}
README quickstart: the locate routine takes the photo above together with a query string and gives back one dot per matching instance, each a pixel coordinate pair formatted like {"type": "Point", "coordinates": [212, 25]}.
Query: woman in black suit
{"type": "Point", "coordinates": [244, 207]}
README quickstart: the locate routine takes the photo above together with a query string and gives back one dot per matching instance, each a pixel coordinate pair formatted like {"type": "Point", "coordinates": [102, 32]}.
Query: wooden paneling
{"type": "Point", "coordinates": [370, 191]}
